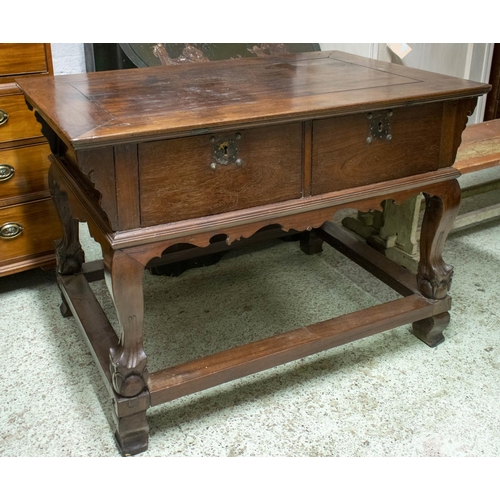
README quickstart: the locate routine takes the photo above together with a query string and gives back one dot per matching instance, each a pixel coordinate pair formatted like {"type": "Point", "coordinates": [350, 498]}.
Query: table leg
{"type": "Point", "coordinates": [69, 253]}
{"type": "Point", "coordinates": [430, 330]}
{"type": "Point", "coordinates": [64, 307]}
{"type": "Point", "coordinates": [131, 433]}
{"type": "Point", "coordinates": [434, 275]}
{"type": "Point", "coordinates": [310, 242]}
{"type": "Point", "coordinates": [128, 361]}
{"type": "Point", "coordinates": [124, 276]}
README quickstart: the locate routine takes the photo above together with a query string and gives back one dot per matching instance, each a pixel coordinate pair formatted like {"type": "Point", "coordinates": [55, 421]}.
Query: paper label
{"type": "Point", "coordinates": [400, 49]}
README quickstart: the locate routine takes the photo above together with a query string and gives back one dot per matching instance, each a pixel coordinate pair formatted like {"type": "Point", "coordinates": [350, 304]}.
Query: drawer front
{"type": "Point", "coordinates": [18, 121]}
{"type": "Point", "coordinates": [182, 178]}
{"type": "Point", "coordinates": [23, 170]}
{"type": "Point", "coordinates": [343, 157]}
{"type": "Point", "coordinates": [20, 58]}
{"type": "Point", "coordinates": [41, 227]}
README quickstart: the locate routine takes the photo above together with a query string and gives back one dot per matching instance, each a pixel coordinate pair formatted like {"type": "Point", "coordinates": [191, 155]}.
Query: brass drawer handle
{"type": "Point", "coordinates": [10, 230]}
{"type": "Point", "coordinates": [3, 117]}
{"type": "Point", "coordinates": [6, 172]}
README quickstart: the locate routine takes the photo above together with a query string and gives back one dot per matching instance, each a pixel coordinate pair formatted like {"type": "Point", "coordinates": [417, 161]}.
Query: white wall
{"type": "Point", "coordinates": [68, 58]}
{"type": "Point", "coordinates": [358, 49]}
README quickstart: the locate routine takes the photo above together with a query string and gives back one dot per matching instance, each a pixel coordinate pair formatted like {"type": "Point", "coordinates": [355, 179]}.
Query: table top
{"type": "Point", "coordinates": [114, 107]}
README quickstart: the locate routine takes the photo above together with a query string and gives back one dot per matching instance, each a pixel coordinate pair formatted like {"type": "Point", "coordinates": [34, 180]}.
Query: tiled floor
{"type": "Point", "coordinates": [388, 395]}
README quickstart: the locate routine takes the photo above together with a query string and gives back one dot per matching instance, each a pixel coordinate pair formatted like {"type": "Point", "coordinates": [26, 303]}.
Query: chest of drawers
{"type": "Point", "coordinates": [28, 221]}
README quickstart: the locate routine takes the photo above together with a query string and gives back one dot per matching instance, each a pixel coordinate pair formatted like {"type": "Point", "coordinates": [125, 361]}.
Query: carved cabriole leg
{"type": "Point", "coordinates": [124, 277]}
{"type": "Point", "coordinates": [69, 253]}
{"type": "Point", "coordinates": [434, 275]}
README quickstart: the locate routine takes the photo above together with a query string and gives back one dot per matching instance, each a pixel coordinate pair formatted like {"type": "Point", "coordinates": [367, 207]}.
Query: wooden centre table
{"type": "Point", "coordinates": [165, 163]}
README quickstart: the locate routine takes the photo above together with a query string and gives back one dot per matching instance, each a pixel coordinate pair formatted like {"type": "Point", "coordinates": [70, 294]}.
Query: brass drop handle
{"type": "Point", "coordinates": [6, 172]}
{"type": "Point", "coordinates": [10, 230]}
{"type": "Point", "coordinates": [3, 117]}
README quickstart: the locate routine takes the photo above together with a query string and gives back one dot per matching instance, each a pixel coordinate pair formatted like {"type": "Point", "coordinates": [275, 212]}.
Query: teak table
{"type": "Point", "coordinates": [191, 158]}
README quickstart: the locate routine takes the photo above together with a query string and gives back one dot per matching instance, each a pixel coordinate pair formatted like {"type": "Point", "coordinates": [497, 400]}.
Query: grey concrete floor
{"type": "Point", "coordinates": [385, 396]}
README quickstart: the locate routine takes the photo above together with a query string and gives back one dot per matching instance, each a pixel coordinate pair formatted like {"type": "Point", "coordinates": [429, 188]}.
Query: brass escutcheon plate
{"type": "Point", "coordinates": [225, 149]}
{"type": "Point", "coordinates": [379, 125]}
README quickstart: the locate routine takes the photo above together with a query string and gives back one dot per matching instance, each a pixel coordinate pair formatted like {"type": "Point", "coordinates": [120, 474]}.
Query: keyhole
{"type": "Point", "coordinates": [224, 148]}
{"type": "Point", "coordinates": [380, 126]}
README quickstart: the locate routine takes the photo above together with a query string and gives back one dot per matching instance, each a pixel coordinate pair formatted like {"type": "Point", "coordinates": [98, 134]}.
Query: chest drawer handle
{"type": "Point", "coordinates": [10, 230]}
{"type": "Point", "coordinates": [3, 117]}
{"type": "Point", "coordinates": [6, 172]}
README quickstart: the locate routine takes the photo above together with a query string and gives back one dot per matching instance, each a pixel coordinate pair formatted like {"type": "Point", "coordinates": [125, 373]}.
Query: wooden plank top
{"type": "Point", "coordinates": [114, 107]}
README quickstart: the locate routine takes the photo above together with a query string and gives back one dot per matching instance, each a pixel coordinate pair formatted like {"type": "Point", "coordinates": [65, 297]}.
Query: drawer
{"type": "Point", "coordinates": [23, 171]}
{"type": "Point", "coordinates": [186, 178]}
{"type": "Point", "coordinates": [343, 158]}
{"type": "Point", "coordinates": [41, 227]}
{"type": "Point", "coordinates": [22, 58]}
{"type": "Point", "coordinates": [19, 121]}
